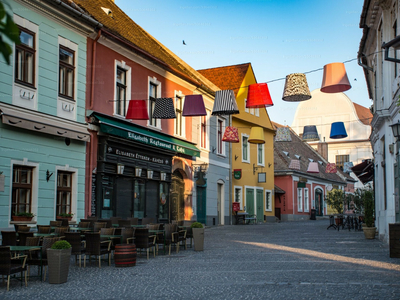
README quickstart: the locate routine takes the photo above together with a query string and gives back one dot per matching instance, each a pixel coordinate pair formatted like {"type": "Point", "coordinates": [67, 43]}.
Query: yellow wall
{"type": "Point", "coordinates": [244, 121]}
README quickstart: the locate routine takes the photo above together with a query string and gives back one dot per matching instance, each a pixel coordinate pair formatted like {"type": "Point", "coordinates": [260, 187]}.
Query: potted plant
{"type": "Point", "coordinates": [58, 258]}
{"type": "Point", "coordinates": [198, 236]}
{"type": "Point", "coordinates": [65, 216]}
{"type": "Point", "coordinates": [23, 216]}
{"type": "Point", "coordinates": [335, 199]}
{"type": "Point", "coordinates": [368, 201]}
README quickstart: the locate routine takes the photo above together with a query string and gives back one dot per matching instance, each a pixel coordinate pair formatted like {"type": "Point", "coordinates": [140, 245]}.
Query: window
{"type": "Point", "coordinates": [164, 201]}
{"type": "Point", "coordinates": [21, 190]}
{"type": "Point", "coordinates": [260, 154]}
{"type": "Point", "coordinates": [257, 112]}
{"type": "Point", "coordinates": [340, 160]}
{"type": "Point", "coordinates": [66, 72]}
{"type": "Point", "coordinates": [245, 149]}
{"type": "Point", "coordinates": [220, 133]}
{"type": "Point", "coordinates": [153, 94]}
{"type": "Point", "coordinates": [179, 118]}
{"type": "Point", "coordinates": [299, 200]}
{"type": "Point", "coordinates": [268, 200]}
{"type": "Point", "coordinates": [25, 58]}
{"type": "Point", "coordinates": [238, 196]}
{"type": "Point", "coordinates": [245, 108]}
{"type": "Point", "coordinates": [120, 89]}
{"type": "Point", "coordinates": [306, 209]}
{"type": "Point", "coordinates": [203, 133]}
{"type": "Point", "coordinates": [64, 192]}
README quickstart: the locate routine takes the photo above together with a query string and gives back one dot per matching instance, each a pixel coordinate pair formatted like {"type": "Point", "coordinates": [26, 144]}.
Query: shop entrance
{"type": "Point", "coordinates": [319, 203]}
{"type": "Point", "coordinates": [177, 197]}
{"type": "Point", "coordinates": [124, 205]}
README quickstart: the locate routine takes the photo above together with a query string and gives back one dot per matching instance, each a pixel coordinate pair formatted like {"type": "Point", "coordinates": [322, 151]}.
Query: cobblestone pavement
{"type": "Point", "coordinates": [292, 260]}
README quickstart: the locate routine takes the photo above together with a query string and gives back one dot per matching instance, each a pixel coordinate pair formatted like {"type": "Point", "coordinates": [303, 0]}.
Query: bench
{"type": "Point", "coordinates": [250, 218]}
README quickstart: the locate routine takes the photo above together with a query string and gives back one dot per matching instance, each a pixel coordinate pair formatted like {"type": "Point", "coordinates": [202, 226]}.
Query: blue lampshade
{"type": "Point", "coordinates": [338, 131]}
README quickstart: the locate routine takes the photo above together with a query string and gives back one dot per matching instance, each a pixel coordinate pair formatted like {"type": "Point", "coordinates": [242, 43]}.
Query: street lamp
{"type": "Point", "coordinates": [396, 134]}
{"type": "Point", "coordinates": [396, 129]}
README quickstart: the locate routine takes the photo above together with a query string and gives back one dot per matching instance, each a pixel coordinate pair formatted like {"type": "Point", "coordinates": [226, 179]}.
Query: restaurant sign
{"type": "Point", "coordinates": [301, 185]}
{"type": "Point", "coordinates": [237, 173]}
{"type": "Point", "coordinates": [139, 156]}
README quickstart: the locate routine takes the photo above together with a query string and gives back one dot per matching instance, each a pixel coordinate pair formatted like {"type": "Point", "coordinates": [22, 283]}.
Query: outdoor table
{"type": "Point", "coordinates": [81, 229]}
{"type": "Point", "coordinates": [43, 234]}
{"type": "Point", "coordinates": [111, 236]}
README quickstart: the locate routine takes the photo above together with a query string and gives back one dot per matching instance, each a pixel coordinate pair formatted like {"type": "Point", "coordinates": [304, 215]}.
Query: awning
{"type": "Point", "coordinates": [39, 122]}
{"type": "Point", "coordinates": [143, 135]}
{"type": "Point", "coordinates": [278, 190]}
{"type": "Point", "coordinates": [364, 171]}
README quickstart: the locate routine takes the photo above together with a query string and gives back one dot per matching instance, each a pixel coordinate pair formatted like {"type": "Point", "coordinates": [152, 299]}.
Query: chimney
{"type": "Point", "coordinates": [323, 149]}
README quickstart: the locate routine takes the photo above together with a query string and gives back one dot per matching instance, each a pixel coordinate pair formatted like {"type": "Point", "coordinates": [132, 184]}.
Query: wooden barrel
{"type": "Point", "coordinates": [125, 255]}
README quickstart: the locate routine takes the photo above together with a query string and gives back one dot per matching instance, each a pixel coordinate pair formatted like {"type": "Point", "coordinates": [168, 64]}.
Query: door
{"type": "Point", "coordinates": [201, 204]}
{"type": "Point", "coordinates": [260, 205]}
{"type": "Point", "coordinates": [278, 212]}
{"type": "Point", "coordinates": [319, 204]}
{"type": "Point", "coordinates": [152, 200]}
{"type": "Point", "coordinates": [250, 201]}
{"type": "Point", "coordinates": [124, 192]}
{"type": "Point", "coordinates": [219, 205]}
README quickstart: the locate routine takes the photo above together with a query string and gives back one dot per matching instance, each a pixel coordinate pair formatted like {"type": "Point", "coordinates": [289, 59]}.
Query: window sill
{"type": "Point", "coordinates": [23, 222]}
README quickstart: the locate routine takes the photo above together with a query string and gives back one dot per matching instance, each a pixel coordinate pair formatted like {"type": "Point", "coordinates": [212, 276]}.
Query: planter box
{"type": "Point", "coordinates": [369, 232]}
{"type": "Point", "coordinates": [21, 219]}
{"type": "Point", "coordinates": [198, 237]}
{"type": "Point", "coordinates": [60, 218]}
{"type": "Point", "coordinates": [58, 261]}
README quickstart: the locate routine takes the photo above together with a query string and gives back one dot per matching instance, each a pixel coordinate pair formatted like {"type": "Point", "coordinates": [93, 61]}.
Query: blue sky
{"type": "Point", "coordinates": [277, 37]}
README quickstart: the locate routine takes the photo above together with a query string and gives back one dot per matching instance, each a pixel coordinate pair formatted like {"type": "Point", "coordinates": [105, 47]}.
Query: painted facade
{"type": "Point", "coordinates": [379, 21]}
{"type": "Point", "coordinates": [255, 196]}
{"type": "Point", "coordinates": [43, 133]}
{"type": "Point", "coordinates": [322, 110]}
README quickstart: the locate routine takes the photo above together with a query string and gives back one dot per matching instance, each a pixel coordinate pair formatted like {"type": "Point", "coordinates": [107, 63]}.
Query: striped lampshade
{"type": "Point", "coordinates": [164, 109]}
{"type": "Point", "coordinates": [225, 103]}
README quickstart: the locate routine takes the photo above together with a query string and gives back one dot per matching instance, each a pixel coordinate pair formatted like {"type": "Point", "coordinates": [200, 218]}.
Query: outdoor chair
{"type": "Point", "coordinates": [9, 266]}
{"type": "Point", "coordinates": [8, 238]}
{"type": "Point", "coordinates": [171, 236]}
{"type": "Point", "coordinates": [78, 246]}
{"type": "Point", "coordinates": [39, 258]}
{"type": "Point", "coordinates": [145, 241]}
{"type": "Point", "coordinates": [182, 237]}
{"type": "Point", "coordinates": [96, 247]}
{"type": "Point", "coordinates": [108, 222]}
{"type": "Point", "coordinates": [64, 222]}
{"type": "Point", "coordinates": [59, 231]}
{"type": "Point", "coordinates": [124, 223]}
{"type": "Point", "coordinates": [55, 223]}
{"type": "Point", "coordinates": [91, 222]}
{"type": "Point", "coordinates": [84, 224]}
{"type": "Point", "coordinates": [22, 237]}
{"type": "Point", "coordinates": [98, 225]}
{"type": "Point", "coordinates": [128, 235]}
{"type": "Point", "coordinates": [44, 228]}
{"type": "Point", "coordinates": [32, 241]}
{"type": "Point", "coordinates": [22, 228]}
{"type": "Point", "coordinates": [146, 221]}
{"type": "Point", "coordinates": [114, 220]}
{"type": "Point", "coordinates": [134, 221]}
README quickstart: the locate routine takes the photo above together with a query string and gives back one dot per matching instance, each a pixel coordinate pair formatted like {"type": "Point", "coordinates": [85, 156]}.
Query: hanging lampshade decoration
{"type": "Point", "coordinates": [347, 167]}
{"type": "Point", "coordinates": [294, 164]}
{"type": "Point", "coordinates": [338, 131]}
{"type": "Point", "coordinates": [313, 167]}
{"type": "Point", "coordinates": [194, 106]}
{"type": "Point", "coordinates": [137, 110]}
{"type": "Point", "coordinates": [335, 79]}
{"type": "Point", "coordinates": [231, 135]}
{"type": "Point", "coordinates": [257, 135]}
{"type": "Point", "coordinates": [296, 88]}
{"type": "Point", "coordinates": [164, 109]}
{"type": "Point", "coordinates": [310, 133]}
{"type": "Point", "coordinates": [330, 168]}
{"type": "Point", "coordinates": [283, 134]}
{"type": "Point", "coordinates": [225, 103]}
{"type": "Point", "coordinates": [258, 96]}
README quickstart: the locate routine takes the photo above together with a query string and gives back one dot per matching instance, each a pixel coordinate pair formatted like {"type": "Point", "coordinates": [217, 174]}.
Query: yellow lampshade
{"type": "Point", "coordinates": [257, 135]}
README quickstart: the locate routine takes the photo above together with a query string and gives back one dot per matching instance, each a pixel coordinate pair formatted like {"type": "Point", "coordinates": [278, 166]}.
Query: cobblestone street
{"type": "Point", "coordinates": [292, 260]}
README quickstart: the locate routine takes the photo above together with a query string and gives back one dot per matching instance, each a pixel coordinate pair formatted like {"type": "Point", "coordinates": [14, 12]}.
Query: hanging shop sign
{"type": "Point", "coordinates": [237, 173]}
{"type": "Point", "coordinates": [301, 185]}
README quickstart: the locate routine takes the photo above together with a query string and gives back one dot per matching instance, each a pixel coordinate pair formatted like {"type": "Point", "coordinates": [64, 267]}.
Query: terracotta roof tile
{"type": "Point", "coordinates": [363, 113]}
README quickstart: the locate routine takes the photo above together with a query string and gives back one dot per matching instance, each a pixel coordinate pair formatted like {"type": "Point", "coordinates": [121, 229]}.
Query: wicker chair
{"type": "Point", "coordinates": [146, 221]}
{"type": "Point", "coordinates": [98, 225]}
{"type": "Point", "coordinates": [22, 228]}
{"type": "Point", "coordinates": [128, 235]}
{"type": "Point", "coordinates": [40, 259]}
{"type": "Point", "coordinates": [8, 238]}
{"type": "Point", "coordinates": [134, 221]}
{"type": "Point", "coordinates": [78, 246]}
{"type": "Point", "coordinates": [32, 241]}
{"type": "Point", "coordinates": [9, 266]}
{"type": "Point", "coordinates": [108, 222]}
{"type": "Point", "coordinates": [114, 220]}
{"type": "Point", "coordinates": [96, 247]}
{"type": "Point", "coordinates": [44, 228]}
{"type": "Point", "coordinates": [145, 241]}
{"type": "Point", "coordinates": [64, 222]}
{"type": "Point", "coordinates": [84, 224]}
{"type": "Point", "coordinates": [59, 231]}
{"type": "Point", "coordinates": [124, 223]}
{"type": "Point", "coordinates": [171, 236]}
{"type": "Point", "coordinates": [55, 223]}
{"type": "Point", "coordinates": [22, 237]}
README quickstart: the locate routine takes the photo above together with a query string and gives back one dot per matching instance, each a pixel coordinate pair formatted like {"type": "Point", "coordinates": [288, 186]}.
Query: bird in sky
{"type": "Point", "coordinates": [184, 42]}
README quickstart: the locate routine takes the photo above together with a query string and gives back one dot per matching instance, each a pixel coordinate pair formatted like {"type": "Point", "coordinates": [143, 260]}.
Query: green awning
{"type": "Point", "coordinates": [142, 135]}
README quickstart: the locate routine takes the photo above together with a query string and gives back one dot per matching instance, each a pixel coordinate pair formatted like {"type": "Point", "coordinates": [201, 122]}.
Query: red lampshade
{"type": "Point", "coordinates": [335, 79]}
{"type": "Point", "coordinates": [331, 168]}
{"type": "Point", "coordinates": [137, 110]}
{"type": "Point", "coordinates": [231, 135]}
{"type": "Point", "coordinates": [258, 96]}
{"type": "Point", "coordinates": [194, 106]}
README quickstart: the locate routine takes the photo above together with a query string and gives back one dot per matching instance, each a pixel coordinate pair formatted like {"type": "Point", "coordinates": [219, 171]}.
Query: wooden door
{"type": "Point", "coordinates": [260, 205]}
{"type": "Point", "coordinates": [250, 201]}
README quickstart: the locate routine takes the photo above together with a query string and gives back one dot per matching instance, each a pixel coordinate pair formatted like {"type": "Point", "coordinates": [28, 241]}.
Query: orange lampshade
{"type": "Point", "coordinates": [137, 110]}
{"type": "Point", "coordinates": [231, 135]}
{"type": "Point", "coordinates": [257, 135]}
{"type": "Point", "coordinates": [258, 96]}
{"type": "Point", "coordinates": [313, 167]}
{"type": "Point", "coordinates": [335, 79]}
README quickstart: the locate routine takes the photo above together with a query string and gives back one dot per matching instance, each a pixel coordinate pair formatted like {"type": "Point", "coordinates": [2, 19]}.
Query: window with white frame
{"type": "Point", "coordinates": [220, 133]}
{"type": "Point", "coordinates": [66, 79]}
{"type": "Point", "coordinates": [120, 89]}
{"type": "Point", "coordinates": [245, 108]}
{"type": "Point", "coordinates": [245, 148]}
{"type": "Point", "coordinates": [180, 120]}
{"type": "Point", "coordinates": [260, 155]}
{"type": "Point", "coordinates": [25, 54]}
{"type": "Point", "coordinates": [299, 200]}
{"type": "Point", "coordinates": [154, 93]}
{"type": "Point", "coordinates": [306, 199]}
{"type": "Point", "coordinates": [268, 200]}
{"type": "Point", "coordinates": [239, 195]}
{"type": "Point", "coordinates": [21, 189]}
{"type": "Point", "coordinates": [203, 132]}
{"type": "Point", "coordinates": [257, 112]}
{"type": "Point", "coordinates": [64, 193]}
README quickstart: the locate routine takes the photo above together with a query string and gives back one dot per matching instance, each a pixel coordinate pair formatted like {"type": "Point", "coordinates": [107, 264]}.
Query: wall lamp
{"type": "Point", "coordinates": [48, 175]}
{"type": "Point", "coordinates": [395, 44]}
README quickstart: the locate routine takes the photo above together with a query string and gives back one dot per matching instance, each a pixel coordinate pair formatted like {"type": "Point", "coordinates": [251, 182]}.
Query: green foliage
{"type": "Point", "coordinates": [196, 225]}
{"type": "Point", "coordinates": [368, 200]}
{"type": "Point", "coordinates": [7, 29]}
{"type": "Point", "coordinates": [61, 245]}
{"type": "Point", "coordinates": [335, 199]}
{"type": "Point", "coordinates": [65, 215]}
{"type": "Point", "coordinates": [24, 214]}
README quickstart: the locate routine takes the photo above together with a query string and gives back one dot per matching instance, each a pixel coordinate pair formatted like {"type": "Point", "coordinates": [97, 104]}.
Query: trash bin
{"type": "Point", "coordinates": [394, 240]}
{"type": "Point", "coordinates": [313, 214]}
